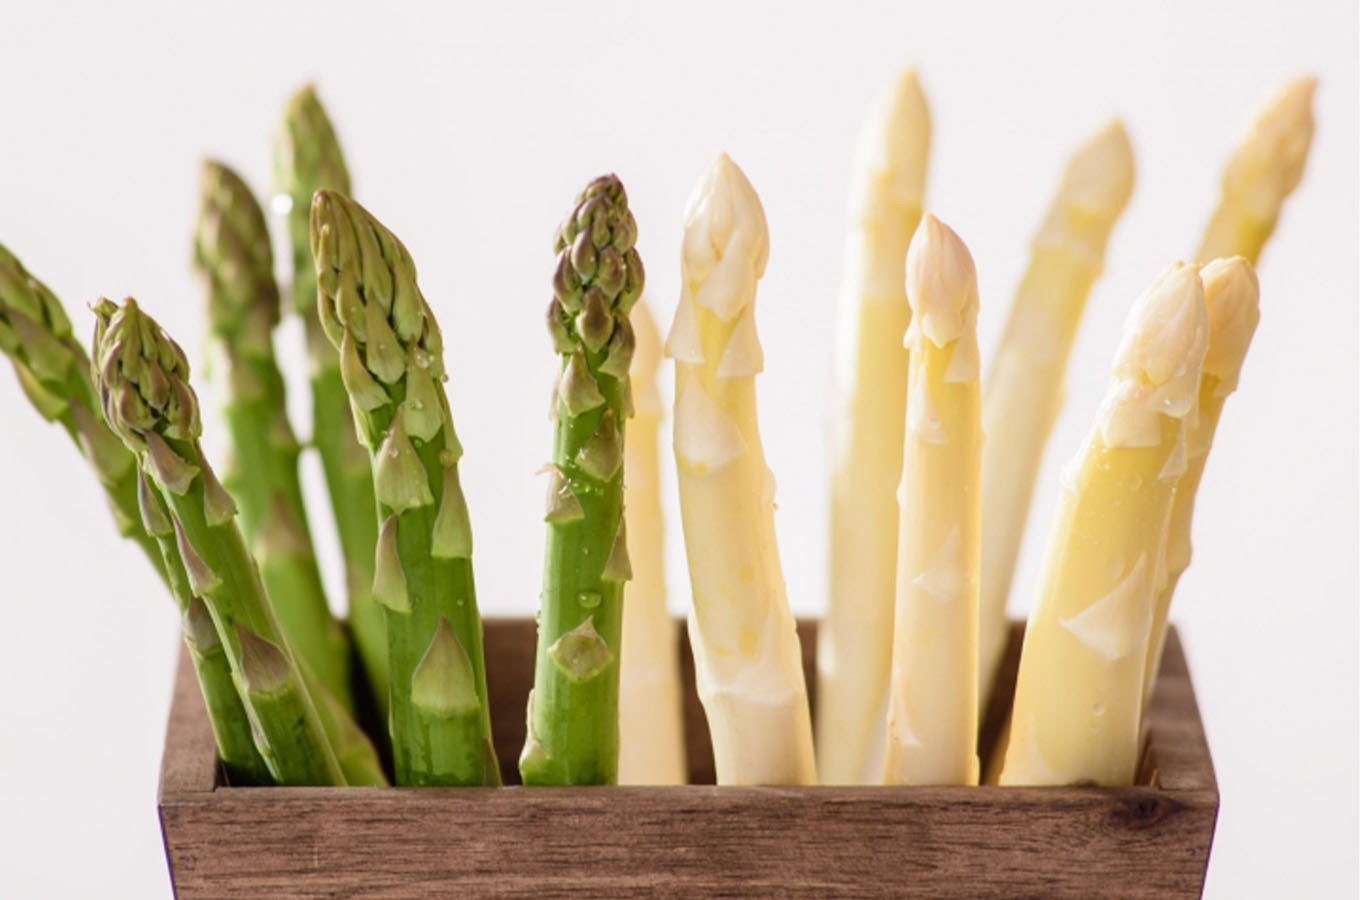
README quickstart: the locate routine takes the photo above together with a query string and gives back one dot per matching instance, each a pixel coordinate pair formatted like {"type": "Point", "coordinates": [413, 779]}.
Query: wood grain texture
{"type": "Point", "coordinates": [1150, 841]}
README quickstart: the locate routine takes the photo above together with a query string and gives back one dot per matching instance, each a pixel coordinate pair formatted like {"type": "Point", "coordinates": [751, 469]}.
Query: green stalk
{"type": "Point", "coordinates": [142, 376]}
{"type": "Point", "coordinates": [391, 358]}
{"type": "Point", "coordinates": [573, 710]}
{"type": "Point", "coordinates": [307, 159]}
{"type": "Point", "coordinates": [55, 373]}
{"type": "Point", "coordinates": [231, 728]}
{"type": "Point", "coordinates": [233, 256]}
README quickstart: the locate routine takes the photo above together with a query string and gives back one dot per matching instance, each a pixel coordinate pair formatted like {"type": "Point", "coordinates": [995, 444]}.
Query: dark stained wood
{"type": "Point", "coordinates": [1149, 841]}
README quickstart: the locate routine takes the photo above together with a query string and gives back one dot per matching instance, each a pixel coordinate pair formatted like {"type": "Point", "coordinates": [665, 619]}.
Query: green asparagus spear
{"type": "Point", "coordinates": [142, 378]}
{"type": "Point", "coordinates": [55, 372]}
{"type": "Point", "coordinates": [573, 733]}
{"type": "Point", "coordinates": [233, 256]}
{"type": "Point", "coordinates": [308, 159]}
{"type": "Point", "coordinates": [231, 728]}
{"type": "Point", "coordinates": [391, 358]}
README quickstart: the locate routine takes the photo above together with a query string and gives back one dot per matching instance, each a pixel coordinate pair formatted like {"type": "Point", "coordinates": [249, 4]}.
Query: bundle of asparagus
{"type": "Point", "coordinates": [919, 580]}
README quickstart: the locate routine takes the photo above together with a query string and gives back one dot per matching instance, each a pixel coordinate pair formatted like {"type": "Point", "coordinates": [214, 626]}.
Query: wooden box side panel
{"type": "Point", "coordinates": [697, 841]}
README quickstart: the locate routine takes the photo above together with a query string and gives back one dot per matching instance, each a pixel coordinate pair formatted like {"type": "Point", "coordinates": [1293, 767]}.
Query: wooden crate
{"type": "Point", "coordinates": [1148, 841]}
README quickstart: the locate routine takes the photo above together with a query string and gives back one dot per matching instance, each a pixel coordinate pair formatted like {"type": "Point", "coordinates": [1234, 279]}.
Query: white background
{"type": "Point", "coordinates": [469, 131]}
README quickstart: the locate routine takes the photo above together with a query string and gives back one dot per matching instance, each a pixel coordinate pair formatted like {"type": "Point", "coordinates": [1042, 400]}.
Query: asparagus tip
{"type": "Point", "coordinates": [941, 283]}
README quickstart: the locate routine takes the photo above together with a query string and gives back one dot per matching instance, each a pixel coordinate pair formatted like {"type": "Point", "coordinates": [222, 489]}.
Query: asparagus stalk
{"type": "Point", "coordinates": [142, 377]}
{"type": "Point", "coordinates": [231, 727]}
{"type": "Point", "coordinates": [307, 158]}
{"type": "Point", "coordinates": [54, 371]}
{"type": "Point", "coordinates": [747, 660]}
{"type": "Point", "coordinates": [573, 715]}
{"type": "Point", "coordinates": [1264, 170]}
{"type": "Point", "coordinates": [1023, 390]}
{"type": "Point", "coordinates": [651, 726]}
{"type": "Point", "coordinates": [391, 357]}
{"type": "Point", "coordinates": [233, 256]}
{"type": "Point", "coordinates": [932, 715]}
{"type": "Point", "coordinates": [1232, 297]}
{"type": "Point", "coordinates": [854, 647]}
{"type": "Point", "coordinates": [1080, 687]}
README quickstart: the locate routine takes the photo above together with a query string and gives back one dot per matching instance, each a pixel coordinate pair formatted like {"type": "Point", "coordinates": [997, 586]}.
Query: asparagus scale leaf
{"type": "Point", "coordinates": [573, 728]}
{"type": "Point", "coordinates": [391, 359]}
{"type": "Point", "coordinates": [307, 158]}
{"type": "Point", "coordinates": [54, 371]}
{"type": "Point", "coordinates": [142, 377]}
{"type": "Point", "coordinates": [232, 254]}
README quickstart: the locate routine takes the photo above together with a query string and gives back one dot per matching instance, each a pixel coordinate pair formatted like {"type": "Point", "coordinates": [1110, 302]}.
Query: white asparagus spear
{"type": "Point", "coordinates": [1264, 169]}
{"type": "Point", "coordinates": [1024, 387]}
{"type": "Point", "coordinates": [651, 732]}
{"type": "Point", "coordinates": [747, 661]}
{"type": "Point", "coordinates": [1232, 297]}
{"type": "Point", "coordinates": [932, 713]}
{"type": "Point", "coordinates": [854, 644]}
{"type": "Point", "coordinates": [1079, 693]}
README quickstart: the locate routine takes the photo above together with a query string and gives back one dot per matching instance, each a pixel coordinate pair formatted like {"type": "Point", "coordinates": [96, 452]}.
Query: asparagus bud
{"type": "Point", "coordinates": [1262, 172]}
{"type": "Point", "coordinates": [854, 646]}
{"type": "Point", "coordinates": [932, 714]}
{"type": "Point", "coordinates": [1232, 297]}
{"type": "Point", "coordinates": [232, 255]}
{"type": "Point", "coordinates": [391, 359]}
{"type": "Point", "coordinates": [1080, 687]}
{"type": "Point", "coordinates": [1024, 388]}
{"type": "Point", "coordinates": [143, 382]}
{"type": "Point", "coordinates": [573, 713]}
{"type": "Point", "coordinates": [307, 158]}
{"type": "Point", "coordinates": [748, 665]}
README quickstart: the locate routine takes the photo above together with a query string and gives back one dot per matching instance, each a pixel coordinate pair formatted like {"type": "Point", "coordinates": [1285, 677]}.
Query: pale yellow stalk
{"type": "Point", "coordinates": [1024, 387]}
{"type": "Point", "coordinates": [1079, 693]}
{"type": "Point", "coordinates": [854, 644]}
{"type": "Point", "coordinates": [651, 732]}
{"type": "Point", "coordinates": [932, 714]}
{"type": "Point", "coordinates": [1264, 169]}
{"type": "Point", "coordinates": [748, 666]}
{"type": "Point", "coordinates": [1232, 296]}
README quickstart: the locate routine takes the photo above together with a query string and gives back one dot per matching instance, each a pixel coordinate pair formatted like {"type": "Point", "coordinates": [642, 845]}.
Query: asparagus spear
{"type": "Point", "coordinates": [232, 254]}
{"type": "Point", "coordinates": [651, 727]}
{"type": "Point", "coordinates": [1080, 687]}
{"type": "Point", "coordinates": [1023, 391]}
{"type": "Point", "coordinates": [746, 655]}
{"type": "Point", "coordinates": [391, 357]}
{"type": "Point", "coordinates": [1232, 297]}
{"type": "Point", "coordinates": [932, 713]}
{"type": "Point", "coordinates": [54, 371]}
{"type": "Point", "coordinates": [230, 724]}
{"type": "Point", "coordinates": [854, 647]}
{"type": "Point", "coordinates": [307, 158]}
{"type": "Point", "coordinates": [142, 378]}
{"type": "Point", "coordinates": [573, 715]}
{"type": "Point", "coordinates": [1264, 170]}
